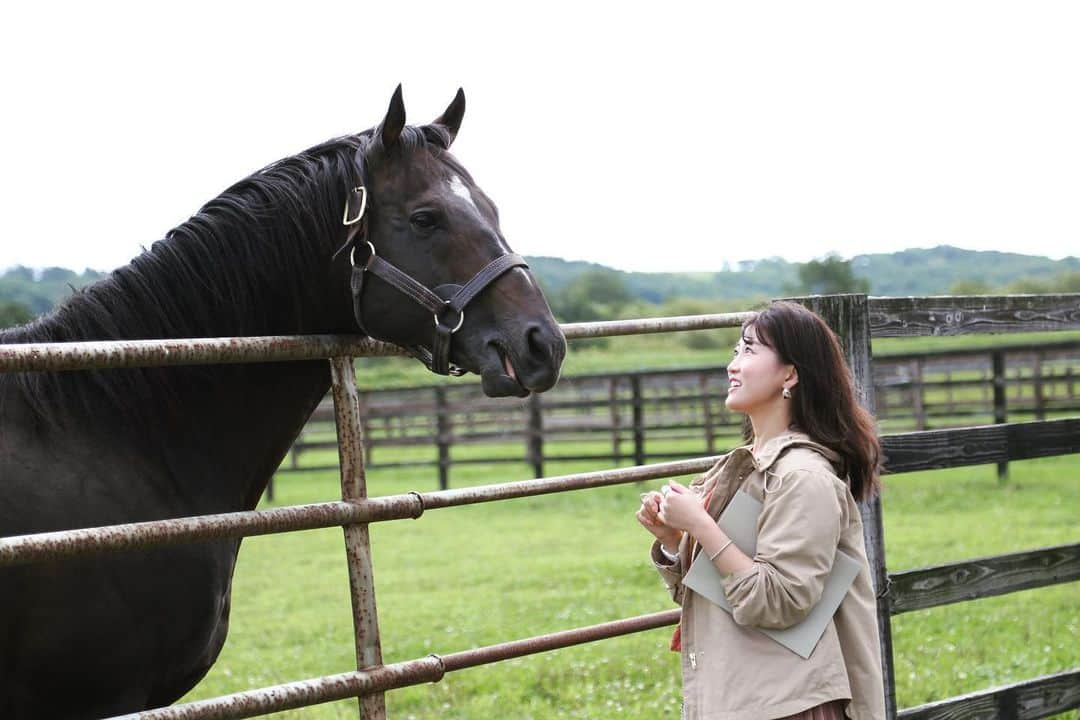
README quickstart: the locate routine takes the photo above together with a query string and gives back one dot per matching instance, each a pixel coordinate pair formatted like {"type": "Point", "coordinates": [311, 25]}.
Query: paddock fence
{"type": "Point", "coordinates": [618, 416]}
{"type": "Point", "coordinates": [856, 319]}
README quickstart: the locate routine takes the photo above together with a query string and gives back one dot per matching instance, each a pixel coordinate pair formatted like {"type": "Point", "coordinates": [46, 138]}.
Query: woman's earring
{"type": "Point", "coordinates": [786, 394]}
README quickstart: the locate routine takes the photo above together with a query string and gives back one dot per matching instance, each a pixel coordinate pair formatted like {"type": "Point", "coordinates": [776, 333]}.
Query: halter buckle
{"type": "Point", "coordinates": [461, 317]}
{"type": "Point", "coordinates": [363, 206]}
{"type": "Point", "coordinates": [352, 254]}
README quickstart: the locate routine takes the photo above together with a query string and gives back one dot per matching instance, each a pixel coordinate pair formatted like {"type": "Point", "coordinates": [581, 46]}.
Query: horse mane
{"type": "Point", "coordinates": [208, 277]}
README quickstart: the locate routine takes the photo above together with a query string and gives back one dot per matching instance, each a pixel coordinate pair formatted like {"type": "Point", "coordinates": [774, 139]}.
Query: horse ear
{"type": "Point", "coordinates": [451, 117]}
{"type": "Point", "coordinates": [390, 128]}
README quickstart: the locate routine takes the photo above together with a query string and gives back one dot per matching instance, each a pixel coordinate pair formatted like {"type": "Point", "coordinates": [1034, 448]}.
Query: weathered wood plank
{"type": "Point", "coordinates": [848, 316]}
{"type": "Point", "coordinates": [962, 315]}
{"type": "Point", "coordinates": [966, 353]}
{"type": "Point", "coordinates": [1027, 700]}
{"type": "Point", "coordinates": [956, 447]}
{"type": "Point", "coordinates": [983, 577]}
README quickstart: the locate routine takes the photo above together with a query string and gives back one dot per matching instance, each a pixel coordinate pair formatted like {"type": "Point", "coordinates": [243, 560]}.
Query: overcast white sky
{"type": "Point", "coordinates": [643, 136]}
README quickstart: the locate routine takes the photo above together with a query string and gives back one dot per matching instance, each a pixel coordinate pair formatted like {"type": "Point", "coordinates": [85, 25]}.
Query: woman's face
{"type": "Point", "coordinates": [756, 376]}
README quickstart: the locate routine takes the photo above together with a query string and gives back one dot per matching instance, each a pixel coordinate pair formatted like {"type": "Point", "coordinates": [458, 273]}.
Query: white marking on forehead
{"type": "Point", "coordinates": [458, 188]}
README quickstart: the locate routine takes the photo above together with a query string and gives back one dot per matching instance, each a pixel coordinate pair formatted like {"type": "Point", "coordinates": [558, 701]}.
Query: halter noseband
{"type": "Point", "coordinates": [437, 359]}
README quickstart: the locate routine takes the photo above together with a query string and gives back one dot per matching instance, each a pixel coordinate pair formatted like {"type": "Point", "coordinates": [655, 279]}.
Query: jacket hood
{"type": "Point", "coordinates": [774, 448]}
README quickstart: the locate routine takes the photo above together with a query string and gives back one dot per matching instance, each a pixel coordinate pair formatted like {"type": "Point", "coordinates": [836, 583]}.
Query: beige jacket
{"type": "Point", "coordinates": [732, 672]}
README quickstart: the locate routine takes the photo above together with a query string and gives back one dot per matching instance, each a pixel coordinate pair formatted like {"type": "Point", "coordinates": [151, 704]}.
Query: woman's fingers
{"type": "Point", "coordinates": [650, 502]}
{"type": "Point", "coordinates": [647, 515]}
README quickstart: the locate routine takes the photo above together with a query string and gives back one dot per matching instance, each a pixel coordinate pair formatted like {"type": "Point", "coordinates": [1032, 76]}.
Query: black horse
{"type": "Point", "coordinates": [124, 632]}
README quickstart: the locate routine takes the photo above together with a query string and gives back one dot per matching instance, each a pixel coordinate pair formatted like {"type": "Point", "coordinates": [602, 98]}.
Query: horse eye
{"type": "Point", "coordinates": [424, 220]}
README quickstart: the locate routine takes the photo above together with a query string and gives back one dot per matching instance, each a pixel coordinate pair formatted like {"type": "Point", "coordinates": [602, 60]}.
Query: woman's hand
{"type": "Point", "coordinates": [682, 509]}
{"type": "Point", "coordinates": [649, 517]}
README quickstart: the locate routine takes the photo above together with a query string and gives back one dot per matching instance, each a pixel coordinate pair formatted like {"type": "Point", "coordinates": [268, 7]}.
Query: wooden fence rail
{"type": "Point", "coordinates": [910, 390]}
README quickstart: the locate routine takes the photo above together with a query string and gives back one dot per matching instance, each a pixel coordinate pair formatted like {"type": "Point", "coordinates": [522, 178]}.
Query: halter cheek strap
{"type": "Point", "coordinates": [442, 309]}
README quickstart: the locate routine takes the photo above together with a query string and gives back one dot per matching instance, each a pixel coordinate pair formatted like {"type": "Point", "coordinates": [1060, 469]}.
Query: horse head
{"type": "Point", "coordinates": [431, 269]}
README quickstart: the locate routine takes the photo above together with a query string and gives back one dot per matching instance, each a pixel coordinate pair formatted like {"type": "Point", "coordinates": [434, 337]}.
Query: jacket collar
{"type": "Point", "coordinates": [773, 449]}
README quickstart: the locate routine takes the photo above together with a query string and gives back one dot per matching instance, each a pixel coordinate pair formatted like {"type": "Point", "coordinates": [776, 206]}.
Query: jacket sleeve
{"type": "Point", "coordinates": [798, 533]}
{"type": "Point", "coordinates": [670, 572]}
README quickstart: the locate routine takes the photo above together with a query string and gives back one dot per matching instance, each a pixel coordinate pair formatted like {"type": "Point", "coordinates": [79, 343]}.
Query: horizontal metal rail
{"type": "Point", "coordinates": [22, 549]}
{"type": "Point", "coordinates": [396, 675]}
{"type": "Point", "coordinates": [890, 317]}
{"type": "Point", "coordinates": [105, 354]}
{"type": "Point", "coordinates": [905, 452]}
{"type": "Point", "coordinates": [212, 351]}
{"type": "Point", "coordinates": [645, 326]}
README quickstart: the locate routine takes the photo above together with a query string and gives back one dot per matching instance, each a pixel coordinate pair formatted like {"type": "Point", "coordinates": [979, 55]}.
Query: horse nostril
{"type": "Point", "coordinates": [541, 343]}
{"type": "Point", "coordinates": [545, 349]}
{"type": "Point", "coordinates": [532, 340]}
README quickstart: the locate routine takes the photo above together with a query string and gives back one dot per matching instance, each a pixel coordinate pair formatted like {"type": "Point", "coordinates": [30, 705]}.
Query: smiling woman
{"type": "Point", "coordinates": [813, 454]}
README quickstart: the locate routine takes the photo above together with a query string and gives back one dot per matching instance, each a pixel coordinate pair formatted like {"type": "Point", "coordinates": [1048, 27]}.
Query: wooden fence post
{"type": "Point", "coordinates": [848, 315]}
{"type": "Point", "coordinates": [442, 436]}
{"type": "Point", "coordinates": [1000, 403]}
{"type": "Point", "coordinates": [534, 437]}
{"type": "Point", "coordinates": [1037, 387]}
{"type": "Point", "coordinates": [706, 408]}
{"type": "Point", "coordinates": [616, 431]}
{"type": "Point", "coordinates": [639, 420]}
{"type": "Point", "coordinates": [917, 396]}
{"type": "Point", "coordinates": [950, 398]}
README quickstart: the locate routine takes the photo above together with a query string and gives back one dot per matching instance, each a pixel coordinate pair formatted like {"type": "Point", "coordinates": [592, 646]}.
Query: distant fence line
{"type": "Point", "coordinates": [912, 391]}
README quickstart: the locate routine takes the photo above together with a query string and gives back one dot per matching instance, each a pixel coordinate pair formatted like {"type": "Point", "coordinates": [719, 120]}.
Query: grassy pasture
{"type": "Point", "coordinates": [462, 577]}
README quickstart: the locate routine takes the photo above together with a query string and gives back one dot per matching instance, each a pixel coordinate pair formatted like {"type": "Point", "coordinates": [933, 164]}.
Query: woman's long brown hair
{"type": "Point", "coordinates": [824, 403]}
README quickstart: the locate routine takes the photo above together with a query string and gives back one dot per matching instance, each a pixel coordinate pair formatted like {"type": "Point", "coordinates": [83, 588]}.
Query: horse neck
{"type": "Point", "coordinates": [214, 433]}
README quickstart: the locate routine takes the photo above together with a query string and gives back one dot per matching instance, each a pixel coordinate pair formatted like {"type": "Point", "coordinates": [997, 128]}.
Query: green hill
{"type": "Point", "coordinates": [908, 272]}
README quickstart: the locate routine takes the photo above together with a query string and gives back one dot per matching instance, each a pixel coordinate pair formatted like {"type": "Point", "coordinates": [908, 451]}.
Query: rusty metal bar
{"type": "Point", "coordinates": [387, 677]}
{"type": "Point", "coordinates": [559, 483]}
{"type": "Point", "coordinates": [195, 351]}
{"type": "Point", "coordinates": [644, 326]}
{"type": "Point", "coordinates": [101, 354]}
{"type": "Point", "coordinates": [357, 541]}
{"type": "Point", "coordinates": [303, 693]}
{"type": "Point", "coordinates": [22, 549]}
{"type": "Point", "coordinates": [554, 641]}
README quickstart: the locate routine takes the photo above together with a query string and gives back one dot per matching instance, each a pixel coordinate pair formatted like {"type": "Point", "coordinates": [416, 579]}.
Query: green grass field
{"type": "Point", "coordinates": [463, 577]}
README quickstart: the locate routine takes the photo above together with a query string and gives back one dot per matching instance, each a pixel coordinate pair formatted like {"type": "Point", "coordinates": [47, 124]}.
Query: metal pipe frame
{"type": "Point", "coordinates": [378, 680]}
{"type": "Point", "coordinates": [372, 678]}
{"type": "Point", "coordinates": [278, 348]}
{"type": "Point", "coordinates": [62, 544]}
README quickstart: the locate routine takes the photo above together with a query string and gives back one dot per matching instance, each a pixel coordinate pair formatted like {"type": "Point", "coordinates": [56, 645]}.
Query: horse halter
{"type": "Point", "coordinates": [437, 359]}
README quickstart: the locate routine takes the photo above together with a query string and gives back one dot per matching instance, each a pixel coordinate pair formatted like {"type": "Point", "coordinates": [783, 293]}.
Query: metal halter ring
{"type": "Point", "coordinates": [352, 253]}
{"type": "Point", "coordinates": [363, 206]}
{"type": "Point", "coordinates": [461, 318]}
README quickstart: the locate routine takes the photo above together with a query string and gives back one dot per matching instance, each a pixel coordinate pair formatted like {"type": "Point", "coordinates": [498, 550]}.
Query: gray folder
{"type": "Point", "coordinates": [739, 522]}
